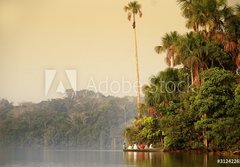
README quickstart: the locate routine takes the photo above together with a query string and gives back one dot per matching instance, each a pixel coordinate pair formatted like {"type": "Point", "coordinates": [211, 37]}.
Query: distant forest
{"type": "Point", "coordinates": [82, 119]}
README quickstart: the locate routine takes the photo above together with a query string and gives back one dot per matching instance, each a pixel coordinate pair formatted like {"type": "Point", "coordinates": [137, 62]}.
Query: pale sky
{"type": "Point", "coordinates": [92, 37]}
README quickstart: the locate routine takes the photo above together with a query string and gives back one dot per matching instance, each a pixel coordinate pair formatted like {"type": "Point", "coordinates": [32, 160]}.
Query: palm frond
{"type": "Point", "coordinates": [158, 49]}
{"type": "Point", "coordinates": [126, 8]}
{"type": "Point", "coordinates": [133, 8]}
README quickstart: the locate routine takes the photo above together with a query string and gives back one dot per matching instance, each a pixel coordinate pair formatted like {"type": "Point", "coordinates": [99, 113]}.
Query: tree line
{"type": "Point", "coordinates": [81, 119]}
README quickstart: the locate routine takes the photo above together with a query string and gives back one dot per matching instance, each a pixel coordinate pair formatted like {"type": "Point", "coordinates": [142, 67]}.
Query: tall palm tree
{"type": "Point", "coordinates": [133, 9]}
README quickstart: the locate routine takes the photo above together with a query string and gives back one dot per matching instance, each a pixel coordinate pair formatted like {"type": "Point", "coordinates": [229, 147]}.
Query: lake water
{"type": "Point", "coordinates": [81, 158]}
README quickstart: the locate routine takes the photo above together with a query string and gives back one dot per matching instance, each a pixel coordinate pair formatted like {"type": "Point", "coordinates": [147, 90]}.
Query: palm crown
{"type": "Point", "coordinates": [133, 9]}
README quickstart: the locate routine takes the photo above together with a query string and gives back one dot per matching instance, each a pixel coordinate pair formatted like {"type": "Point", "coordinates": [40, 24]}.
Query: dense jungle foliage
{"type": "Point", "coordinates": [194, 104]}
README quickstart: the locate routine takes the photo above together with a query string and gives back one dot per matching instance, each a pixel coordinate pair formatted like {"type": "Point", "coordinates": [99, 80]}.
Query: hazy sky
{"type": "Point", "coordinates": [92, 37]}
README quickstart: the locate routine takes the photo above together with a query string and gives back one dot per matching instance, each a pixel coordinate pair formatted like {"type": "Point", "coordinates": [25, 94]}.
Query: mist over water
{"type": "Point", "coordinates": [86, 120]}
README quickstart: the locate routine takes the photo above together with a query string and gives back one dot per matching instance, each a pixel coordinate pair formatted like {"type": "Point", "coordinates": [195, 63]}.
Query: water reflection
{"type": "Point", "coordinates": [40, 157]}
{"type": "Point", "coordinates": [144, 159]}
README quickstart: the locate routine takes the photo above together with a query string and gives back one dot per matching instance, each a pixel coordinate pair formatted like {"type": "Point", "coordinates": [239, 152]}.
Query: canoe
{"type": "Point", "coordinates": [143, 150]}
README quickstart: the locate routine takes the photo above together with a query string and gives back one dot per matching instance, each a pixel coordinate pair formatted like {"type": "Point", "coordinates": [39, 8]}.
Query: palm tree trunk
{"type": "Point", "coordinates": [172, 61]}
{"type": "Point", "coordinates": [197, 79]}
{"type": "Point", "coordinates": [137, 71]}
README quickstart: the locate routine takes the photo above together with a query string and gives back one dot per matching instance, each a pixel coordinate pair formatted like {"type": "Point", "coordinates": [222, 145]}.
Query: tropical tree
{"type": "Point", "coordinates": [205, 15]}
{"type": "Point", "coordinates": [168, 43]}
{"type": "Point", "coordinates": [215, 20]}
{"type": "Point", "coordinates": [232, 36]}
{"type": "Point", "coordinates": [146, 130]}
{"type": "Point", "coordinates": [162, 92]}
{"type": "Point", "coordinates": [133, 9]}
{"type": "Point", "coordinates": [215, 101]}
{"type": "Point", "coordinates": [238, 10]}
{"type": "Point", "coordinates": [191, 48]}
{"type": "Point", "coordinates": [198, 54]}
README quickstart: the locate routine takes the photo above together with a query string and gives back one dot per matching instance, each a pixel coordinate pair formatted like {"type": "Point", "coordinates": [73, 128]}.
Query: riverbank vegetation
{"type": "Point", "coordinates": [197, 105]}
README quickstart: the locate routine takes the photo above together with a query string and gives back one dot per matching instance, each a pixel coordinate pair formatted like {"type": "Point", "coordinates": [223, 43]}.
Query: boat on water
{"type": "Point", "coordinates": [140, 148]}
{"type": "Point", "coordinates": [143, 150]}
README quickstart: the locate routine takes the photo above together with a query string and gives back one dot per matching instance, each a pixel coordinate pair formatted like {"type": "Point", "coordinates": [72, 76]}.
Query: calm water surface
{"type": "Point", "coordinates": [81, 158]}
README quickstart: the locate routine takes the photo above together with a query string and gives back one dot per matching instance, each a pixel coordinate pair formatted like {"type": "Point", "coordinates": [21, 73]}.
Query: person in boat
{"type": "Point", "coordinates": [135, 147]}
{"type": "Point", "coordinates": [130, 147]}
{"type": "Point", "coordinates": [141, 146]}
{"type": "Point", "coordinates": [151, 146]}
{"type": "Point", "coordinates": [146, 146]}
